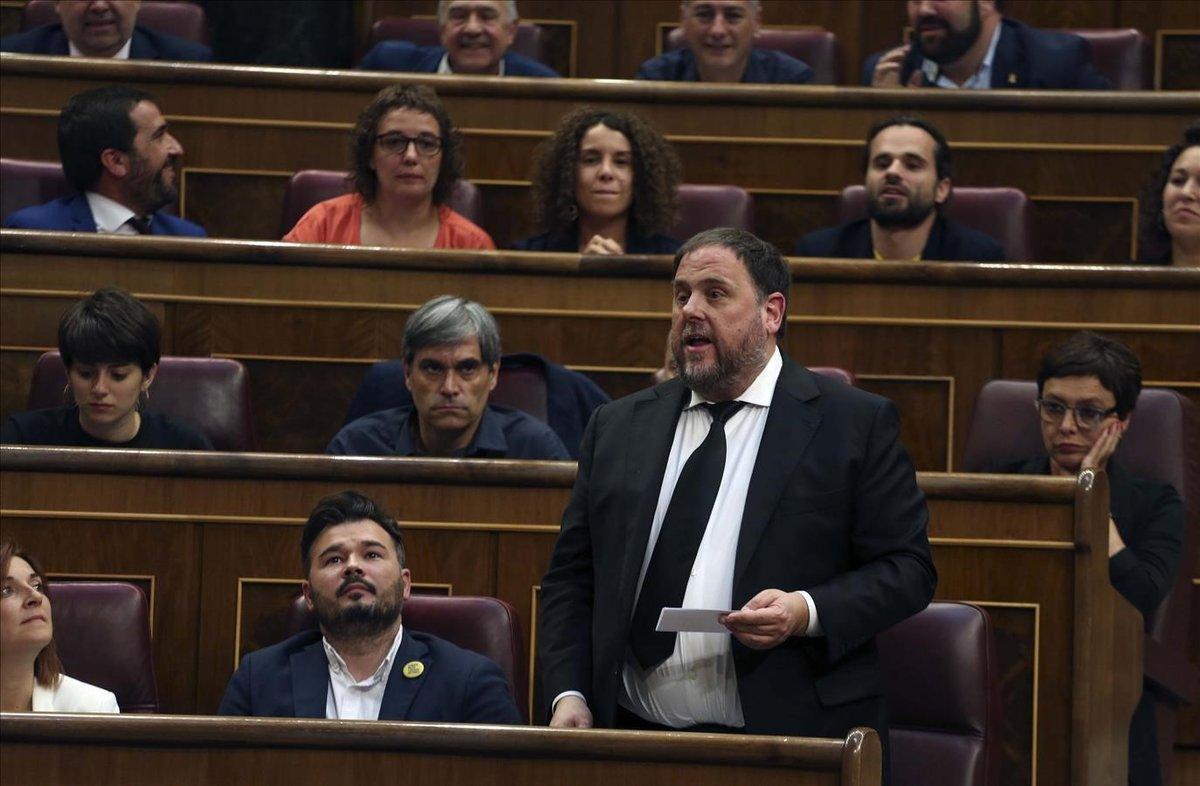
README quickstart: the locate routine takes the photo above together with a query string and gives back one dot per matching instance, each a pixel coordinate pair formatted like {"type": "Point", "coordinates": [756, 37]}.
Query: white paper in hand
{"type": "Point", "coordinates": [691, 621]}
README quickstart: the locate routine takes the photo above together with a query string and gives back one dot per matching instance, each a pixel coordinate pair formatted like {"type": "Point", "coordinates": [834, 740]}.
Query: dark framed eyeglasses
{"type": "Point", "coordinates": [396, 143]}
{"type": "Point", "coordinates": [1085, 417]}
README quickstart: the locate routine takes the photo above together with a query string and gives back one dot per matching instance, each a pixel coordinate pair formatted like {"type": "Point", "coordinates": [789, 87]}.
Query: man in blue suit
{"type": "Point", "coordinates": [720, 48]}
{"type": "Point", "coordinates": [102, 28]}
{"type": "Point", "coordinates": [362, 663]}
{"type": "Point", "coordinates": [475, 35]}
{"type": "Point", "coordinates": [968, 44]}
{"type": "Point", "coordinates": [117, 150]}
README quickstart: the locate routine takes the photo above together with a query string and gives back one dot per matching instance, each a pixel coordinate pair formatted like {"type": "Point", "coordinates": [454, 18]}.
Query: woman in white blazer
{"type": "Point", "coordinates": [31, 675]}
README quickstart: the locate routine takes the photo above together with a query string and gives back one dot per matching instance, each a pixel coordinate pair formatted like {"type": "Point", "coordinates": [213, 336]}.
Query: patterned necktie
{"type": "Point", "coordinates": [679, 539]}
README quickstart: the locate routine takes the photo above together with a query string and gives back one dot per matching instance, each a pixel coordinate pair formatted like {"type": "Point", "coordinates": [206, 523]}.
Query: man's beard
{"type": "Point", "coordinates": [711, 381]}
{"type": "Point", "coordinates": [916, 211]}
{"type": "Point", "coordinates": [358, 620]}
{"type": "Point", "coordinates": [956, 42]}
{"type": "Point", "coordinates": [151, 192]}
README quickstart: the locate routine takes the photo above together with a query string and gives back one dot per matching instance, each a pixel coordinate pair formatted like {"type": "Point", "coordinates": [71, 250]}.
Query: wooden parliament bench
{"type": "Point", "coordinates": [1082, 157]}
{"type": "Point", "coordinates": [308, 320]}
{"type": "Point", "coordinates": [213, 538]}
{"type": "Point", "coordinates": [197, 751]}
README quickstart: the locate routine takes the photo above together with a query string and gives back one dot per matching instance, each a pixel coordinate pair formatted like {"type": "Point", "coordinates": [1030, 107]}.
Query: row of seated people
{"type": "Point", "coordinates": [1085, 394]}
{"type": "Point", "coordinates": [606, 182]}
{"type": "Point", "coordinates": [966, 44]}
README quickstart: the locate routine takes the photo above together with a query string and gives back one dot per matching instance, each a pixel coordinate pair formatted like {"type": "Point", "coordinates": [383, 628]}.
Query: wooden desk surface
{"type": "Point", "coordinates": [200, 750]}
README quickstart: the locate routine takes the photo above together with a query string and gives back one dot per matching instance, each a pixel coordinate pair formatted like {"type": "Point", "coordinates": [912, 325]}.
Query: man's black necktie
{"type": "Point", "coordinates": [141, 224]}
{"type": "Point", "coordinates": [679, 539]}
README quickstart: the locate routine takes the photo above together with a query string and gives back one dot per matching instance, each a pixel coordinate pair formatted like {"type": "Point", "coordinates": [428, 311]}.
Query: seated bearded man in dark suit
{"type": "Point", "coordinates": [747, 483]}
{"type": "Point", "coordinates": [362, 663]}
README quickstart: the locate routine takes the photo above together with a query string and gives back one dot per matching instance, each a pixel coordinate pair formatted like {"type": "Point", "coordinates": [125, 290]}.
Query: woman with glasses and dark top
{"type": "Point", "coordinates": [109, 343]}
{"type": "Point", "coordinates": [31, 675]}
{"type": "Point", "coordinates": [1087, 389]}
{"type": "Point", "coordinates": [605, 184]}
{"type": "Point", "coordinates": [406, 157]}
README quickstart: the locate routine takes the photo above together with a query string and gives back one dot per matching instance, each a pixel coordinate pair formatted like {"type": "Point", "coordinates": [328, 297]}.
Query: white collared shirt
{"type": "Point", "coordinates": [445, 69]}
{"type": "Point", "coordinates": [111, 217]}
{"type": "Point", "coordinates": [980, 80]}
{"type": "Point", "coordinates": [348, 699]}
{"type": "Point", "coordinates": [698, 682]}
{"type": "Point", "coordinates": [122, 53]}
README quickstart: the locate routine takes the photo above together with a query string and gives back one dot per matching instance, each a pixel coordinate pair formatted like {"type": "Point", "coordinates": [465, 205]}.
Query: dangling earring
{"type": "Point", "coordinates": [68, 396]}
{"type": "Point", "coordinates": [143, 399]}
{"type": "Point", "coordinates": [572, 212]}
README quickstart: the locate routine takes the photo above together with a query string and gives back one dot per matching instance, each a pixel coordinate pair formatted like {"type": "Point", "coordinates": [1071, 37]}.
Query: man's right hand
{"type": "Point", "coordinates": [571, 712]}
{"type": "Point", "coordinates": [887, 69]}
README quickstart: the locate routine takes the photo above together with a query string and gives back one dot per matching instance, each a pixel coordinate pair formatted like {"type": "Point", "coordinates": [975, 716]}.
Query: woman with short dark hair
{"type": "Point", "coordinates": [406, 157]}
{"type": "Point", "coordinates": [605, 183]}
{"type": "Point", "coordinates": [109, 343]}
{"type": "Point", "coordinates": [31, 677]}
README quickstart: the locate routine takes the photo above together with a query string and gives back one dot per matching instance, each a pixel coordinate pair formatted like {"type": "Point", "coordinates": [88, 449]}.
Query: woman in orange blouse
{"type": "Point", "coordinates": [407, 156]}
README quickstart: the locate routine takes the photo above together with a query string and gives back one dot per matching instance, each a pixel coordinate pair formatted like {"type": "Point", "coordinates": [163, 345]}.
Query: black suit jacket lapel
{"type": "Point", "coordinates": [790, 426]}
{"type": "Point", "coordinates": [1009, 68]}
{"type": "Point", "coordinates": [310, 680]}
{"type": "Point", "coordinates": [651, 434]}
{"type": "Point", "coordinates": [401, 690]}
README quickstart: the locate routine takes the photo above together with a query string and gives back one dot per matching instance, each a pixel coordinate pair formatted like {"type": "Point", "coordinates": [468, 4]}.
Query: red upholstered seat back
{"type": "Point", "coordinates": [213, 394]}
{"type": "Point", "coordinates": [25, 183]}
{"type": "Point", "coordinates": [816, 46]}
{"type": "Point", "coordinates": [102, 632]}
{"type": "Point", "coordinates": [1121, 55]}
{"type": "Point", "coordinates": [704, 207]}
{"type": "Point", "coordinates": [1004, 214]}
{"type": "Point", "coordinates": [488, 626]}
{"type": "Point", "coordinates": [424, 32]}
{"type": "Point", "coordinates": [310, 186]}
{"type": "Point", "coordinates": [941, 683]}
{"type": "Point", "coordinates": [182, 20]}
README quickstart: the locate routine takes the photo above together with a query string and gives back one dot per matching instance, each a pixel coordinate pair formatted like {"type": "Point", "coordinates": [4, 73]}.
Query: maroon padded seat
{"type": "Point", "coordinates": [816, 46]}
{"type": "Point", "coordinates": [1121, 55]}
{"type": "Point", "coordinates": [25, 183]}
{"type": "Point", "coordinates": [941, 682]}
{"type": "Point", "coordinates": [182, 20]}
{"type": "Point", "coordinates": [833, 372]}
{"type": "Point", "coordinates": [213, 394]}
{"type": "Point", "coordinates": [1003, 214]}
{"type": "Point", "coordinates": [488, 626]}
{"type": "Point", "coordinates": [310, 186]}
{"type": "Point", "coordinates": [102, 632]}
{"type": "Point", "coordinates": [424, 32]}
{"type": "Point", "coordinates": [1163, 443]}
{"type": "Point", "coordinates": [704, 207]}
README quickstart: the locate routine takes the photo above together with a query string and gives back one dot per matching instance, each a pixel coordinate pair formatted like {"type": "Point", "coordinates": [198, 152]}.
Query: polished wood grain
{"type": "Point", "coordinates": [204, 750]}
{"type": "Point", "coordinates": [489, 527]}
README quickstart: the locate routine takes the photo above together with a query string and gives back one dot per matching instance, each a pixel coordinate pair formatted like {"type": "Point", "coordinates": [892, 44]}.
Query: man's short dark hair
{"type": "Point", "coordinates": [768, 269]}
{"type": "Point", "coordinates": [342, 508]}
{"type": "Point", "coordinates": [109, 326]}
{"type": "Point", "coordinates": [92, 122]}
{"type": "Point", "coordinates": [941, 148]}
{"type": "Point", "coordinates": [1091, 354]}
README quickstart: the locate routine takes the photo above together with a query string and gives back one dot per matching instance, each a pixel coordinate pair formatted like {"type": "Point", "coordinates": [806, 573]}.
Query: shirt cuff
{"type": "Point", "coordinates": [814, 623]}
{"type": "Point", "coordinates": [563, 695]}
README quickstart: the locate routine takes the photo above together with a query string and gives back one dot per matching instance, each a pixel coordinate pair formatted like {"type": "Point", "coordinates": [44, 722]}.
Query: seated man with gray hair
{"type": "Point", "coordinates": [451, 359]}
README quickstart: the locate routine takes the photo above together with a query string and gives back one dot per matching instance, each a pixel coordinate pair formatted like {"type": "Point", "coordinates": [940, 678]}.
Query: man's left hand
{"type": "Point", "coordinates": [768, 619]}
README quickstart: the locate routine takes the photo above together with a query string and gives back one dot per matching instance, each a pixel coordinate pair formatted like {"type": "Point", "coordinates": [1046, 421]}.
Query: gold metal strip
{"type": "Point", "coordinates": [998, 543]}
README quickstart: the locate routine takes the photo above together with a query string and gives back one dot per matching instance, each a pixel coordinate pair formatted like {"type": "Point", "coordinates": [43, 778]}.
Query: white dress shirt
{"type": "Point", "coordinates": [698, 682]}
{"type": "Point", "coordinates": [111, 217]}
{"type": "Point", "coordinates": [122, 53]}
{"type": "Point", "coordinates": [980, 80]}
{"type": "Point", "coordinates": [357, 700]}
{"type": "Point", "coordinates": [444, 67]}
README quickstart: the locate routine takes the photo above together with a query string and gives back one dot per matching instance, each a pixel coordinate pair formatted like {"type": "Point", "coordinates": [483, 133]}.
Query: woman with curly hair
{"type": "Point", "coordinates": [1170, 217]}
{"type": "Point", "coordinates": [605, 184]}
{"type": "Point", "coordinates": [406, 157]}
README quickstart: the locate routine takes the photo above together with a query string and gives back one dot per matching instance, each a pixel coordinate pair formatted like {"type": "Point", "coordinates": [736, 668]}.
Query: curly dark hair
{"type": "Point", "coordinates": [362, 146]}
{"type": "Point", "coordinates": [1154, 243]}
{"type": "Point", "coordinates": [656, 172]}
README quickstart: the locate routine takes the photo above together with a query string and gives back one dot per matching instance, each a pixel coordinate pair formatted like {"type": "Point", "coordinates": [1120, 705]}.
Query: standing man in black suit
{"type": "Point", "coordinates": [102, 28]}
{"type": "Point", "coordinates": [747, 483]}
{"type": "Point", "coordinates": [907, 176]}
